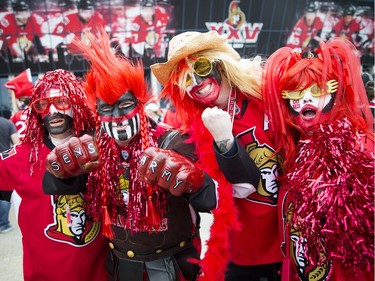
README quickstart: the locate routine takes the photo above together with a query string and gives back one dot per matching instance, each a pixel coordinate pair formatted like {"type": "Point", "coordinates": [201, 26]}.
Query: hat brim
{"type": "Point", "coordinates": [188, 43]}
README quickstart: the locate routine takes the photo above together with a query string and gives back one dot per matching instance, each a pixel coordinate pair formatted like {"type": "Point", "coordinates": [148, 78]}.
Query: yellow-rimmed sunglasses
{"type": "Point", "coordinates": [314, 89]}
{"type": "Point", "coordinates": [202, 67]}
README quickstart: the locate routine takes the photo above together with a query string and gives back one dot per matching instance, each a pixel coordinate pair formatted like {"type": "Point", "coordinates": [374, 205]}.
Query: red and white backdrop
{"type": "Point", "coordinates": [143, 28]}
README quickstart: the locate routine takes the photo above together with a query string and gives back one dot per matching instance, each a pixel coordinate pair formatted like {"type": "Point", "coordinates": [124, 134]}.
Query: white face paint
{"type": "Point", "coordinates": [121, 119]}
{"type": "Point", "coordinates": [123, 131]}
{"type": "Point", "coordinates": [59, 123]}
{"type": "Point", "coordinates": [56, 93]}
{"type": "Point", "coordinates": [309, 109]}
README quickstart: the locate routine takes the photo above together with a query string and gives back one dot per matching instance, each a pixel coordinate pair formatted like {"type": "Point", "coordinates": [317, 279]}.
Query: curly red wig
{"type": "Point", "coordinates": [69, 86]}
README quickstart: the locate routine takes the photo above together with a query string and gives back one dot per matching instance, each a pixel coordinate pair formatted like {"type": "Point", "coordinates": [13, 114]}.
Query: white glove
{"type": "Point", "coordinates": [218, 122]}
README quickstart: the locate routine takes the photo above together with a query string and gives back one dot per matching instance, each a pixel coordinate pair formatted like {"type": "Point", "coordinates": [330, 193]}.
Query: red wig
{"type": "Point", "coordinates": [70, 86]}
{"type": "Point", "coordinates": [189, 112]}
{"type": "Point", "coordinates": [110, 76]}
{"type": "Point", "coordinates": [330, 176]}
{"type": "Point", "coordinates": [288, 70]}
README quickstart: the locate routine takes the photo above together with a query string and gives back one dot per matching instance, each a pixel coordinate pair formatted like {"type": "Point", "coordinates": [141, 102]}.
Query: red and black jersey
{"type": "Point", "coordinates": [349, 32]}
{"type": "Point", "coordinates": [258, 241]}
{"type": "Point", "coordinates": [19, 120]}
{"type": "Point", "coordinates": [53, 248]}
{"type": "Point", "coordinates": [150, 32]}
{"type": "Point", "coordinates": [302, 34]}
{"type": "Point", "coordinates": [18, 38]}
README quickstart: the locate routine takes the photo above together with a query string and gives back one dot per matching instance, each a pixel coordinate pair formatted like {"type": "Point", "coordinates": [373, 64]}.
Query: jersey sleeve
{"type": "Point", "coordinates": [11, 163]}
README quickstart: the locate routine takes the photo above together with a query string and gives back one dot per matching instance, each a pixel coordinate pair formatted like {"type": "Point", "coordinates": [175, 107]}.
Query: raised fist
{"type": "Point", "coordinates": [74, 157]}
{"type": "Point", "coordinates": [169, 170]}
{"type": "Point", "coordinates": [218, 122]}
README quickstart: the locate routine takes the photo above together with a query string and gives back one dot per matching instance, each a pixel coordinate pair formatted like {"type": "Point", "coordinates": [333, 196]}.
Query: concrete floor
{"type": "Point", "coordinates": [11, 248]}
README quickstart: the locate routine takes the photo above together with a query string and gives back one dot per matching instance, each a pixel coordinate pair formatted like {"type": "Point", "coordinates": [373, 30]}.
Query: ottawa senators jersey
{"type": "Point", "coordinates": [19, 120]}
{"type": "Point", "coordinates": [302, 34]}
{"type": "Point", "coordinates": [68, 25]}
{"type": "Point", "coordinates": [18, 38]}
{"type": "Point", "coordinates": [258, 241]}
{"type": "Point", "coordinates": [59, 241]}
{"type": "Point", "coordinates": [349, 32]}
{"type": "Point", "coordinates": [150, 32]}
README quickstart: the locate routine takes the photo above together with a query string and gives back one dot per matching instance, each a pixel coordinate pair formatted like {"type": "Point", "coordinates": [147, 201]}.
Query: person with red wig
{"type": "Point", "coordinates": [320, 116]}
{"type": "Point", "coordinates": [147, 191]}
{"type": "Point", "coordinates": [60, 242]}
{"type": "Point", "coordinates": [218, 101]}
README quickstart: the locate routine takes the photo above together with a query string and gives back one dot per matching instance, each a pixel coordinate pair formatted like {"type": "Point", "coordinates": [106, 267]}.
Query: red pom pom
{"type": "Point", "coordinates": [331, 187]}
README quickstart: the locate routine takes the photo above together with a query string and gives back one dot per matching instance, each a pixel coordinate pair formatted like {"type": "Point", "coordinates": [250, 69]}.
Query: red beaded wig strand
{"type": "Point", "coordinates": [70, 86]}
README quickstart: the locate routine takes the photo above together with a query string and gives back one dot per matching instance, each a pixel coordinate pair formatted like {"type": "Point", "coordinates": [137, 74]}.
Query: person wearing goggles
{"type": "Point", "coordinates": [53, 227]}
{"type": "Point", "coordinates": [311, 104]}
{"type": "Point", "coordinates": [218, 102]}
{"type": "Point", "coordinates": [148, 190]}
{"type": "Point", "coordinates": [320, 115]}
{"type": "Point", "coordinates": [55, 110]}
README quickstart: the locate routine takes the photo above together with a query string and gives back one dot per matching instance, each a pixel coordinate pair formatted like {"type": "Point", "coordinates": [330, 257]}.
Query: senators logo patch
{"type": "Point", "coordinates": [8, 153]}
{"type": "Point", "coordinates": [71, 225]}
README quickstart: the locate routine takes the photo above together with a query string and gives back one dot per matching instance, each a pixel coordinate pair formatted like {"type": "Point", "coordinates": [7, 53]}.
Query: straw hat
{"type": "Point", "coordinates": [188, 43]}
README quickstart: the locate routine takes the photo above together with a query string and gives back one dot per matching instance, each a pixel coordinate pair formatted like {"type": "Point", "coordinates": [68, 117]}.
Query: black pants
{"type": "Point", "coordinates": [127, 270]}
{"type": "Point", "coordinates": [265, 272]}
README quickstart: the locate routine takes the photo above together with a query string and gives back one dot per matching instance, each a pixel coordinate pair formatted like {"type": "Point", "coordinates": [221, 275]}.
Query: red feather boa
{"type": "Point", "coordinates": [214, 264]}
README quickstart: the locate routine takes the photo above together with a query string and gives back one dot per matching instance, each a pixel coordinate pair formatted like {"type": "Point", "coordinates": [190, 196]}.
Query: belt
{"type": "Point", "coordinates": [129, 253]}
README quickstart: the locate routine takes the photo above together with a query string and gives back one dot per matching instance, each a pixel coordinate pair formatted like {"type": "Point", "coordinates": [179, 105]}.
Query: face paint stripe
{"type": "Point", "coordinates": [132, 126]}
{"type": "Point", "coordinates": [136, 125]}
{"type": "Point", "coordinates": [107, 127]}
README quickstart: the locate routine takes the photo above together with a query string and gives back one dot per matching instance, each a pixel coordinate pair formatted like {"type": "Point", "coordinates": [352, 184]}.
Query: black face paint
{"type": "Point", "coordinates": [213, 74]}
{"type": "Point", "coordinates": [50, 120]}
{"type": "Point", "coordinates": [122, 107]}
{"type": "Point", "coordinates": [120, 120]}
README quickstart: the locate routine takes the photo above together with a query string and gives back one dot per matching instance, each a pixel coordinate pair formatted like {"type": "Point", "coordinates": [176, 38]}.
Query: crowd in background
{"type": "Point", "coordinates": [123, 170]}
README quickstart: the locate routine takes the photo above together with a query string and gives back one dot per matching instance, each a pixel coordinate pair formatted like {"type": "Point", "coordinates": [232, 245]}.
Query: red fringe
{"type": "Point", "coordinates": [153, 218]}
{"type": "Point", "coordinates": [332, 188]}
{"type": "Point", "coordinates": [107, 229]}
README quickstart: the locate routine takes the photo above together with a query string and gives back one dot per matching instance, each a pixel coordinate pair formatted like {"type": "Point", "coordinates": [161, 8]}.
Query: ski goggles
{"type": "Point", "coordinates": [314, 89]}
{"type": "Point", "coordinates": [42, 105]}
{"type": "Point", "coordinates": [202, 67]}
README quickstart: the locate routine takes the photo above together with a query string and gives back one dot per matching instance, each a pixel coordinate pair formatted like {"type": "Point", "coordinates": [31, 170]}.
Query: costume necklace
{"type": "Point", "coordinates": [232, 104]}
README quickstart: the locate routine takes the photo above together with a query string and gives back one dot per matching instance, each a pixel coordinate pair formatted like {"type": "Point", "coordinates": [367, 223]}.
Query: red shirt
{"type": "Point", "coordinates": [347, 32]}
{"type": "Point", "coordinates": [17, 38]}
{"type": "Point", "coordinates": [258, 241]}
{"type": "Point", "coordinates": [68, 25]}
{"type": "Point", "coordinates": [19, 120]}
{"type": "Point", "coordinates": [51, 249]}
{"type": "Point", "coordinates": [302, 34]}
{"type": "Point", "coordinates": [150, 32]}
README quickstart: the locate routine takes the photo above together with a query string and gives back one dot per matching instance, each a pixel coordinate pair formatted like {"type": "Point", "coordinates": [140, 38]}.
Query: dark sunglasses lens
{"type": "Point", "coordinates": [202, 67]}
